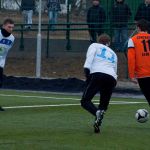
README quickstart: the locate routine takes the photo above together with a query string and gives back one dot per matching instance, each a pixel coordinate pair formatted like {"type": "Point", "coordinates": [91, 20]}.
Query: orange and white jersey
{"type": "Point", "coordinates": [139, 55]}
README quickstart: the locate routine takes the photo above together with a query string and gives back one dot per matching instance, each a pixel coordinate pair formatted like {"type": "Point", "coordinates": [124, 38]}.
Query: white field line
{"type": "Point", "coordinates": [65, 105]}
{"type": "Point", "coordinates": [58, 105]}
{"type": "Point", "coordinates": [44, 97]}
{"type": "Point", "coordinates": [39, 97]}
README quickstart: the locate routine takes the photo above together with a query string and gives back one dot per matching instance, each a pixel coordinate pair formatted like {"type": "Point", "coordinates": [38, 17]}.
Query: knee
{"type": "Point", "coordinates": [82, 102]}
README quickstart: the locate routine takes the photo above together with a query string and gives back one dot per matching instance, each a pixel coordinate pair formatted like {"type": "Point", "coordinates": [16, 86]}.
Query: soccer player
{"type": "Point", "coordinates": [101, 74]}
{"type": "Point", "coordinates": [139, 58]}
{"type": "Point", "coordinates": [6, 42]}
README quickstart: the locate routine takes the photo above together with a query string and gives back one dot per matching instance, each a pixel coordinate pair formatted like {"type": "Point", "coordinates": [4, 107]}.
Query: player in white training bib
{"type": "Point", "coordinates": [101, 76]}
{"type": "Point", "coordinates": [6, 42]}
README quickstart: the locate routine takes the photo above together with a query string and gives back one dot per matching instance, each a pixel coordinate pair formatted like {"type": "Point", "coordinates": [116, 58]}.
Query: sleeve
{"type": "Point", "coordinates": [111, 14]}
{"type": "Point", "coordinates": [129, 12]}
{"type": "Point", "coordinates": [116, 65]}
{"type": "Point", "coordinates": [138, 14]}
{"type": "Point", "coordinates": [131, 59]}
{"type": "Point", "coordinates": [130, 43]}
{"type": "Point", "coordinates": [89, 57]}
{"type": "Point", "coordinates": [12, 42]}
{"type": "Point", "coordinates": [21, 7]}
{"type": "Point", "coordinates": [103, 15]}
{"type": "Point", "coordinates": [88, 16]}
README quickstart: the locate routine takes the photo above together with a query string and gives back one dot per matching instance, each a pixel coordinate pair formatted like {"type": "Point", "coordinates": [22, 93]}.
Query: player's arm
{"type": "Point", "coordinates": [89, 59]}
{"type": "Point", "coordinates": [13, 40]}
{"type": "Point", "coordinates": [131, 60]}
{"type": "Point", "coordinates": [116, 64]}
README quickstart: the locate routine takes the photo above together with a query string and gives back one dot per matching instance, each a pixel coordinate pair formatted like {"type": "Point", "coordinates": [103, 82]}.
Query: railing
{"type": "Point", "coordinates": [68, 27]}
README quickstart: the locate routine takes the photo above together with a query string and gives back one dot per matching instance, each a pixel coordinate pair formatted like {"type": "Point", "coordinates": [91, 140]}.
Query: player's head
{"type": "Point", "coordinates": [104, 39]}
{"type": "Point", "coordinates": [95, 2]}
{"type": "Point", "coordinates": [7, 27]}
{"type": "Point", "coordinates": [142, 25]}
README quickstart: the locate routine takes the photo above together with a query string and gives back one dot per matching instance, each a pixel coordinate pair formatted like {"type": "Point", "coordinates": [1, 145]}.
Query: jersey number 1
{"type": "Point", "coordinates": [103, 55]}
{"type": "Point", "coordinates": [145, 46]}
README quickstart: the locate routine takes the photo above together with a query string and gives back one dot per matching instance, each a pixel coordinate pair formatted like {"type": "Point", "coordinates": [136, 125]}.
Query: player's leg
{"type": "Point", "coordinates": [89, 92]}
{"type": "Point", "coordinates": [106, 92]}
{"type": "Point", "coordinates": [144, 84]}
{"type": "Point", "coordinates": [1, 82]}
{"type": "Point", "coordinates": [107, 84]}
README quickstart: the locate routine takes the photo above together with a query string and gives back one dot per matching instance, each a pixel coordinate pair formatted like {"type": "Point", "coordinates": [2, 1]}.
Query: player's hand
{"type": "Point", "coordinates": [134, 80]}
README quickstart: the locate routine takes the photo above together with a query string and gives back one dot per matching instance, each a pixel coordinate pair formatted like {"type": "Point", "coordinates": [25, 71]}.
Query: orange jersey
{"type": "Point", "coordinates": [139, 55]}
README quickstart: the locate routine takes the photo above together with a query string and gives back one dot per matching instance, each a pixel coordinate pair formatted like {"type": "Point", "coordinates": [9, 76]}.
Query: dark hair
{"type": "Point", "coordinates": [8, 21]}
{"type": "Point", "coordinates": [143, 24]}
{"type": "Point", "coordinates": [104, 39]}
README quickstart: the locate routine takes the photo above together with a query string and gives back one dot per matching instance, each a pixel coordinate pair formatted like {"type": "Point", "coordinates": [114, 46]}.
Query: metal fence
{"type": "Point", "coordinates": [67, 28]}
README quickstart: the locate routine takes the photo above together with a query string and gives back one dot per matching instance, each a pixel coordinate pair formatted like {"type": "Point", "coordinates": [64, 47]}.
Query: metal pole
{"type": "Point", "coordinates": [38, 55]}
{"type": "Point", "coordinates": [22, 39]}
{"type": "Point", "coordinates": [68, 46]}
{"type": "Point", "coordinates": [0, 4]}
{"type": "Point", "coordinates": [47, 49]}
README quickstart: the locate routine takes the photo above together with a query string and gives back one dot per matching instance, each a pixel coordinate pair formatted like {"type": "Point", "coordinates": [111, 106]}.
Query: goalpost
{"type": "Point", "coordinates": [38, 53]}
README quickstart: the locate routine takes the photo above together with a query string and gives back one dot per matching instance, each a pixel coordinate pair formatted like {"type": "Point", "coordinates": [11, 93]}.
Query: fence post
{"type": "Point", "coordinates": [0, 4]}
{"type": "Point", "coordinates": [47, 48]}
{"type": "Point", "coordinates": [22, 38]}
{"type": "Point", "coordinates": [68, 46]}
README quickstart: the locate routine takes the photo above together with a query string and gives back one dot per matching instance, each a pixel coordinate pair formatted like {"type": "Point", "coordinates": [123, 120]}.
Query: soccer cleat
{"type": "Point", "coordinates": [98, 120]}
{"type": "Point", "coordinates": [96, 128]}
{"type": "Point", "coordinates": [2, 109]}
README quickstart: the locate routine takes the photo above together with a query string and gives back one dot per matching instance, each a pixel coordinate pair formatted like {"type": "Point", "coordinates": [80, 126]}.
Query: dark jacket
{"type": "Point", "coordinates": [120, 14]}
{"type": "Point", "coordinates": [143, 12]}
{"type": "Point", "coordinates": [27, 4]}
{"type": "Point", "coordinates": [53, 5]}
{"type": "Point", "coordinates": [96, 14]}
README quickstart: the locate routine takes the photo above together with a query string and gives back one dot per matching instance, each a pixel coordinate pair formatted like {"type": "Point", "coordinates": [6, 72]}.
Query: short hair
{"type": "Point", "coordinates": [8, 21]}
{"type": "Point", "coordinates": [143, 24]}
{"type": "Point", "coordinates": [104, 39]}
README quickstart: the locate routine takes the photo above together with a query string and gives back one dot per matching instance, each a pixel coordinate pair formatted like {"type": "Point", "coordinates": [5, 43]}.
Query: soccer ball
{"type": "Point", "coordinates": [142, 115]}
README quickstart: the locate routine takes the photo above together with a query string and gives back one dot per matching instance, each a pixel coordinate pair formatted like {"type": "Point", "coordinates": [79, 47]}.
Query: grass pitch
{"type": "Point", "coordinates": [45, 121]}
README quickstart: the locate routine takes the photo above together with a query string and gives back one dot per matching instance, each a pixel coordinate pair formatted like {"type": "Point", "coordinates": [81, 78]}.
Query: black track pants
{"type": "Point", "coordinates": [144, 84]}
{"type": "Point", "coordinates": [102, 83]}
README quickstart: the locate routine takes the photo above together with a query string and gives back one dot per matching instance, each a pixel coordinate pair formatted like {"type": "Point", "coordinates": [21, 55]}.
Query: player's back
{"type": "Point", "coordinates": [141, 43]}
{"type": "Point", "coordinates": [101, 58]}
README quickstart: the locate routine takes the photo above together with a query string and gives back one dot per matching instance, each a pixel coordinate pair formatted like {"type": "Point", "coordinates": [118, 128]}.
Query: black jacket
{"type": "Point", "coordinates": [120, 14]}
{"type": "Point", "coordinates": [27, 4]}
{"type": "Point", "coordinates": [143, 12]}
{"type": "Point", "coordinates": [53, 5]}
{"type": "Point", "coordinates": [96, 14]}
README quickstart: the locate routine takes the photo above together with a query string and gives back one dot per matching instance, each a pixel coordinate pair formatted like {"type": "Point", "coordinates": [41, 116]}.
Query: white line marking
{"type": "Point", "coordinates": [40, 97]}
{"type": "Point", "coordinates": [50, 97]}
{"type": "Point", "coordinates": [64, 105]}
